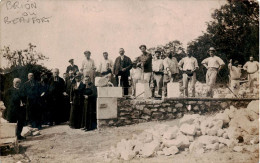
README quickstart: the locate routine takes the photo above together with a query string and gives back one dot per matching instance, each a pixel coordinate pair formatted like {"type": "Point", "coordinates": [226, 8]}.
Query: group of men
{"type": "Point", "coordinates": [51, 101]}
{"type": "Point", "coordinates": [158, 70]}
{"type": "Point", "coordinates": [73, 97]}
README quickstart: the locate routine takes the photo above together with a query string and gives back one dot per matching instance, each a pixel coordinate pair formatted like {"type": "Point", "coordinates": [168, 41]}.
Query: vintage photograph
{"type": "Point", "coordinates": [129, 81]}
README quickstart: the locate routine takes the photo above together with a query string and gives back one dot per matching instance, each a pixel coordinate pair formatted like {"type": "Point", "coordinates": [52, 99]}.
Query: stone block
{"type": "Point", "coordinates": [27, 131]}
{"type": "Point", "coordinates": [170, 151]}
{"type": "Point", "coordinates": [189, 118]}
{"type": "Point", "coordinates": [179, 105]}
{"type": "Point", "coordinates": [143, 90]}
{"type": "Point", "coordinates": [254, 106]}
{"type": "Point", "coordinates": [188, 129]}
{"type": "Point", "coordinates": [238, 149]}
{"type": "Point", "coordinates": [8, 130]}
{"type": "Point", "coordinates": [150, 149]}
{"type": "Point", "coordinates": [106, 108]}
{"type": "Point", "coordinates": [110, 92]}
{"type": "Point", "coordinates": [147, 111]}
{"type": "Point", "coordinates": [171, 133]}
{"type": "Point", "coordinates": [157, 115]}
{"type": "Point", "coordinates": [36, 133]}
{"type": "Point", "coordinates": [173, 89]}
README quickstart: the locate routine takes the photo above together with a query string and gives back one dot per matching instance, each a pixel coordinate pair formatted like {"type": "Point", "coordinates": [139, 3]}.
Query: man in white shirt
{"type": "Point", "coordinates": [188, 65]}
{"type": "Point", "coordinates": [213, 65]}
{"type": "Point", "coordinates": [235, 74]}
{"type": "Point", "coordinates": [171, 70]}
{"type": "Point", "coordinates": [252, 68]}
{"type": "Point", "coordinates": [157, 65]}
{"type": "Point", "coordinates": [88, 66]}
{"type": "Point", "coordinates": [106, 66]}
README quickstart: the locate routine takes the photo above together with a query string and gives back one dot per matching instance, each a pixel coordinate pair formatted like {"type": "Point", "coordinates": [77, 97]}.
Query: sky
{"type": "Point", "coordinates": [98, 26]}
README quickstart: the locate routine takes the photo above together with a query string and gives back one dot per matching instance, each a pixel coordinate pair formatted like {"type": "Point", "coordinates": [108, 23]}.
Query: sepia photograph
{"type": "Point", "coordinates": [150, 81]}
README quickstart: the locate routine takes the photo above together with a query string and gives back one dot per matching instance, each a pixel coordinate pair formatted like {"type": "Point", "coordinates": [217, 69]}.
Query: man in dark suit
{"type": "Point", "coordinates": [15, 111]}
{"type": "Point", "coordinates": [122, 67]}
{"type": "Point", "coordinates": [72, 67]}
{"type": "Point", "coordinates": [56, 93]}
{"type": "Point", "coordinates": [33, 111]}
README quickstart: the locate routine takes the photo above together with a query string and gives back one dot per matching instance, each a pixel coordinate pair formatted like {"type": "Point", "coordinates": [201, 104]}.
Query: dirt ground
{"type": "Point", "coordinates": [61, 144]}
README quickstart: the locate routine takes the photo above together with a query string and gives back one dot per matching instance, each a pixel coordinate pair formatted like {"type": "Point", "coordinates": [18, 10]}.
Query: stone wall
{"type": "Point", "coordinates": [131, 111]}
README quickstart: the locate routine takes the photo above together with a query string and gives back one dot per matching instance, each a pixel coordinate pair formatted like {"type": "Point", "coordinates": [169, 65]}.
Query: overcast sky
{"type": "Point", "coordinates": [98, 26]}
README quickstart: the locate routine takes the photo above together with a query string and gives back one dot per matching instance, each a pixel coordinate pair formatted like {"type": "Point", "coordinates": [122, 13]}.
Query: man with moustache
{"type": "Point", "coordinates": [122, 67]}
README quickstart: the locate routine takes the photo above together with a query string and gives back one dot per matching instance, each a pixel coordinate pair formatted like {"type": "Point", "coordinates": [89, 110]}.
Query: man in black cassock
{"type": "Point", "coordinates": [56, 95]}
{"type": "Point", "coordinates": [15, 110]}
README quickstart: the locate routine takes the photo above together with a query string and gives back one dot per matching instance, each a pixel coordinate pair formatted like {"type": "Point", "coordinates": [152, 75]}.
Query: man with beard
{"type": "Point", "coordinates": [122, 67]}
{"type": "Point", "coordinates": [15, 111]}
{"type": "Point", "coordinates": [57, 93]}
{"type": "Point", "coordinates": [33, 111]}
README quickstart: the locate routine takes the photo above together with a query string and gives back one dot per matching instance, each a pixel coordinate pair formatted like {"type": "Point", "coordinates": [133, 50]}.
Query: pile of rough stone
{"type": "Point", "coordinates": [237, 129]}
{"type": "Point", "coordinates": [28, 131]}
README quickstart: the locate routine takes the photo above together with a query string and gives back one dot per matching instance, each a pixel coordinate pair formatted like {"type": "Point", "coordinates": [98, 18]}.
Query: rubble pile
{"type": "Point", "coordinates": [28, 131]}
{"type": "Point", "coordinates": [237, 129]}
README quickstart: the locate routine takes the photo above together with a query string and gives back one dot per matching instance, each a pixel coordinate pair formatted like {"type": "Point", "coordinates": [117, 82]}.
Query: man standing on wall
{"type": "Point", "coordinates": [171, 70]}
{"type": "Point", "coordinates": [88, 66]}
{"type": "Point", "coordinates": [188, 65]}
{"type": "Point", "coordinates": [213, 65]}
{"type": "Point", "coordinates": [106, 66]}
{"type": "Point", "coordinates": [72, 67]}
{"type": "Point", "coordinates": [122, 67]}
{"type": "Point", "coordinates": [145, 61]}
{"type": "Point", "coordinates": [252, 68]}
{"type": "Point", "coordinates": [158, 72]}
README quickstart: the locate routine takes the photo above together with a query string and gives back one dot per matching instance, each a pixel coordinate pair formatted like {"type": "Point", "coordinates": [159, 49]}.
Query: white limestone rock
{"type": "Point", "coordinates": [171, 133]}
{"type": "Point", "coordinates": [170, 151]}
{"type": "Point", "coordinates": [188, 129]}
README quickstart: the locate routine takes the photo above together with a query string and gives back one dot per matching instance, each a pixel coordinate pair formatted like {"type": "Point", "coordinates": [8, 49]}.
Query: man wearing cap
{"type": "Point", "coordinates": [235, 74]}
{"type": "Point", "coordinates": [106, 66]}
{"type": "Point", "coordinates": [122, 67]}
{"type": "Point", "coordinates": [72, 67]}
{"type": "Point", "coordinates": [213, 65]}
{"type": "Point", "coordinates": [158, 72]}
{"type": "Point", "coordinates": [88, 66]}
{"type": "Point", "coordinates": [145, 61]}
{"type": "Point", "coordinates": [252, 68]}
{"type": "Point", "coordinates": [56, 93]}
{"type": "Point", "coordinates": [188, 65]}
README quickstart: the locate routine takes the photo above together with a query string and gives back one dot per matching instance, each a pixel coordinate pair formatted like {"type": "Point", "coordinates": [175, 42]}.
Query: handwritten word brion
{"type": "Point", "coordinates": [18, 5]}
{"type": "Point", "coordinates": [33, 20]}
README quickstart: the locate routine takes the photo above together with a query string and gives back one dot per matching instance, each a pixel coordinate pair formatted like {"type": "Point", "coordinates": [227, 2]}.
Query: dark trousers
{"type": "Point", "coordinates": [20, 121]}
{"type": "Point", "coordinates": [123, 82]}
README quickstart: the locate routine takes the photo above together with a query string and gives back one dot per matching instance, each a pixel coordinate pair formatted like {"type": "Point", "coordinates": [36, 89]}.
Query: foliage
{"type": "Point", "coordinates": [22, 57]}
{"type": "Point", "coordinates": [21, 62]}
{"type": "Point", "coordinates": [175, 47]}
{"type": "Point", "coordinates": [234, 32]}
